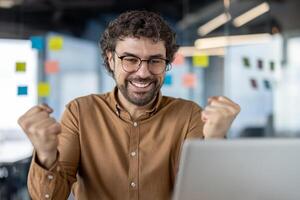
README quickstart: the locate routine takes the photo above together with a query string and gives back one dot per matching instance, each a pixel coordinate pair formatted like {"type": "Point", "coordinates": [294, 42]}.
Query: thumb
{"type": "Point", "coordinates": [204, 117]}
{"type": "Point", "coordinates": [45, 107]}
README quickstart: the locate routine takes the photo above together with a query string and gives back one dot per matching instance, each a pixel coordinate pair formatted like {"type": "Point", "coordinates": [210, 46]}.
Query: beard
{"type": "Point", "coordinates": [139, 98]}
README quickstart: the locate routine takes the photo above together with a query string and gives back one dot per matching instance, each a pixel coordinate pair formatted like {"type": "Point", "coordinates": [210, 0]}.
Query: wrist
{"type": "Point", "coordinates": [46, 160]}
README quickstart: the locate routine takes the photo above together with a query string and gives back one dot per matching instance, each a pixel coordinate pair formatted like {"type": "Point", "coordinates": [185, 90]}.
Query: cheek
{"type": "Point", "coordinates": [120, 76]}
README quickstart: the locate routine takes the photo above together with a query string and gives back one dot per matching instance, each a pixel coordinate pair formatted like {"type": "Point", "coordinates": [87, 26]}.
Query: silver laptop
{"type": "Point", "coordinates": [243, 169]}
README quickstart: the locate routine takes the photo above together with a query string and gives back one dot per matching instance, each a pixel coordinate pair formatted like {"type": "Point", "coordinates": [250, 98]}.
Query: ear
{"type": "Point", "coordinates": [110, 57]}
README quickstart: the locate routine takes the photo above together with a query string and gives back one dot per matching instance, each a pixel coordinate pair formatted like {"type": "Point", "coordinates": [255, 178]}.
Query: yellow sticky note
{"type": "Point", "coordinates": [43, 89]}
{"type": "Point", "coordinates": [20, 67]}
{"type": "Point", "coordinates": [55, 43]}
{"type": "Point", "coordinates": [200, 60]}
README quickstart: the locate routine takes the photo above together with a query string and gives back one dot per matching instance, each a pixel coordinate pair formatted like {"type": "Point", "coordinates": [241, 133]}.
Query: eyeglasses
{"type": "Point", "coordinates": [155, 65]}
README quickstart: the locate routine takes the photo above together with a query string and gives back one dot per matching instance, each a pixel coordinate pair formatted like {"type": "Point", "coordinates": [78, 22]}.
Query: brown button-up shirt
{"type": "Point", "coordinates": [109, 156]}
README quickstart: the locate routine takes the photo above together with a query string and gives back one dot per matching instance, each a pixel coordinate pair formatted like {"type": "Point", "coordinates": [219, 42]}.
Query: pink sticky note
{"type": "Point", "coordinates": [179, 59]}
{"type": "Point", "coordinates": [51, 67]}
{"type": "Point", "coordinates": [189, 80]}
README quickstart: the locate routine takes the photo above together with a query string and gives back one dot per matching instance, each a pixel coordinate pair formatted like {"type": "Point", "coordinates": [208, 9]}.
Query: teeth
{"type": "Point", "coordinates": [140, 85]}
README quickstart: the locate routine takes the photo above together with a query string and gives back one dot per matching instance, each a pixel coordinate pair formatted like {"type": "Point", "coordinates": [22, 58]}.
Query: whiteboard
{"type": "Point", "coordinates": [13, 105]}
{"type": "Point", "coordinates": [256, 104]}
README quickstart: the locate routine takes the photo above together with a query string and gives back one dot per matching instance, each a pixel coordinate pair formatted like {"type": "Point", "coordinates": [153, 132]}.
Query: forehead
{"type": "Point", "coordinates": [141, 46]}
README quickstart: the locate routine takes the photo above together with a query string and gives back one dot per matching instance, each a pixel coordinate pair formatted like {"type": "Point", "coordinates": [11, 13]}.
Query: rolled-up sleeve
{"type": "Point", "coordinates": [56, 182]}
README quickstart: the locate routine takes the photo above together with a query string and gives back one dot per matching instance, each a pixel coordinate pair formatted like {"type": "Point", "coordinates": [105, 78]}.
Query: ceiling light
{"type": "Point", "coordinates": [223, 41]}
{"type": "Point", "coordinates": [214, 24]}
{"type": "Point", "coordinates": [6, 3]}
{"type": "Point", "coordinates": [10, 3]}
{"type": "Point", "coordinates": [251, 14]}
{"type": "Point", "coordinates": [189, 51]}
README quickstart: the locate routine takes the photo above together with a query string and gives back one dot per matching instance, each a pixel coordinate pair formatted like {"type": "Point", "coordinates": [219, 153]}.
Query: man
{"type": "Point", "coordinates": [124, 144]}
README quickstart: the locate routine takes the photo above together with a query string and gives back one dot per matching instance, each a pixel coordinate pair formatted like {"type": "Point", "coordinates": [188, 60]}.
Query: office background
{"type": "Point", "coordinates": [247, 50]}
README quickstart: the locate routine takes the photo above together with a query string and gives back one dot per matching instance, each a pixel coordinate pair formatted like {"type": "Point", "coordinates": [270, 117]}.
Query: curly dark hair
{"type": "Point", "coordinates": [138, 24]}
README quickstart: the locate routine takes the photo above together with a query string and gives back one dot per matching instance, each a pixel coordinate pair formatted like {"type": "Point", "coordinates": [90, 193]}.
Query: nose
{"type": "Point", "coordinates": [143, 71]}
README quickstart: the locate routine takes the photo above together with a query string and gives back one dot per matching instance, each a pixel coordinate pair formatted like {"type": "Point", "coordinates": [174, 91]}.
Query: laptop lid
{"type": "Point", "coordinates": [244, 169]}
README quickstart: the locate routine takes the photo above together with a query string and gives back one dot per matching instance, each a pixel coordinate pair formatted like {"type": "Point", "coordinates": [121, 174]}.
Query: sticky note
{"type": "Point", "coordinates": [267, 84]}
{"type": "Point", "coordinates": [272, 66]}
{"type": "Point", "coordinates": [189, 80]}
{"type": "Point", "coordinates": [20, 67]}
{"type": "Point", "coordinates": [51, 67]}
{"type": "Point", "coordinates": [168, 79]}
{"type": "Point", "coordinates": [55, 43]}
{"type": "Point", "coordinates": [37, 42]}
{"type": "Point", "coordinates": [246, 62]}
{"type": "Point", "coordinates": [178, 60]}
{"type": "Point", "coordinates": [253, 83]}
{"type": "Point", "coordinates": [260, 64]}
{"type": "Point", "coordinates": [43, 89]}
{"type": "Point", "coordinates": [22, 90]}
{"type": "Point", "coordinates": [200, 60]}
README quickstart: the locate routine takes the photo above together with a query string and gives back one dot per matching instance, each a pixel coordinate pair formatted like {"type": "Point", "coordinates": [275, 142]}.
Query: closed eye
{"type": "Point", "coordinates": [131, 60]}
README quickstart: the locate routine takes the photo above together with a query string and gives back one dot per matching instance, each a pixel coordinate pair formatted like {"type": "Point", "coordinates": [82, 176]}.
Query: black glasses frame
{"type": "Point", "coordinates": [167, 68]}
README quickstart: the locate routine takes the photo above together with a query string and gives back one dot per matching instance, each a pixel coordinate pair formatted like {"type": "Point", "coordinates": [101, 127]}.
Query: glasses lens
{"type": "Point", "coordinates": [157, 65]}
{"type": "Point", "coordinates": [130, 63]}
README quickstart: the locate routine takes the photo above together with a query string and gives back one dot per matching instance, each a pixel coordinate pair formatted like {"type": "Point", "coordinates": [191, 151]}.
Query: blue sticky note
{"type": "Point", "coordinates": [168, 79]}
{"type": "Point", "coordinates": [267, 84]}
{"type": "Point", "coordinates": [37, 42]}
{"type": "Point", "coordinates": [22, 90]}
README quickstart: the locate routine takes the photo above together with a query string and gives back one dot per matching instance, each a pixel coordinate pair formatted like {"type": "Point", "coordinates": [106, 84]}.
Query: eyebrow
{"type": "Point", "coordinates": [151, 56]}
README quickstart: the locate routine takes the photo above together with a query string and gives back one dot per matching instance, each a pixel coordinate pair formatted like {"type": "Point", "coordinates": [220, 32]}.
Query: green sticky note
{"type": "Point", "coordinates": [246, 62]}
{"type": "Point", "coordinates": [200, 60]}
{"type": "Point", "coordinates": [272, 65]}
{"type": "Point", "coordinates": [43, 89]}
{"type": "Point", "coordinates": [20, 67]}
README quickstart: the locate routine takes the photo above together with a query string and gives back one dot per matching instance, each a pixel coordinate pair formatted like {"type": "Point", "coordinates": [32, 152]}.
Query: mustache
{"type": "Point", "coordinates": [142, 80]}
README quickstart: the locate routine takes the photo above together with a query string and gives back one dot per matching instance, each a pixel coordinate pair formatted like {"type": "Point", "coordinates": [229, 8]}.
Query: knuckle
{"type": "Point", "coordinates": [20, 120]}
{"type": "Point", "coordinates": [29, 129]}
{"type": "Point", "coordinates": [222, 98]}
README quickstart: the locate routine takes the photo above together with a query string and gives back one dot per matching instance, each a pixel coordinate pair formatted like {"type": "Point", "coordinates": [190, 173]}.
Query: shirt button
{"type": "Point", "coordinates": [50, 177]}
{"type": "Point", "coordinates": [133, 153]}
{"type": "Point", "coordinates": [47, 196]}
{"type": "Point", "coordinates": [135, 124]}
{"type": "Point", "coordinates": [132, 184]}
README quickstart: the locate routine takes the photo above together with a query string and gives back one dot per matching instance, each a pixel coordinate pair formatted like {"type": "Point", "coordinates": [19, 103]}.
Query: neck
{"type": "Point", "coordinates": [135, 111]}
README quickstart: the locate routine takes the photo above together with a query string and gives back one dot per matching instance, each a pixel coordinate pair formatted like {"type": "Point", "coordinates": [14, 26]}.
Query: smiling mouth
{"type": "Point", "coordinates": [140, 84]}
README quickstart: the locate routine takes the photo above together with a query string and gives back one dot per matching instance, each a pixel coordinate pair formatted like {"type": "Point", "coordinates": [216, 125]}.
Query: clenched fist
{"type": "Point", "coordinates": [218, 115]}
{"type": "Point", "coordinates": [42, 130]}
